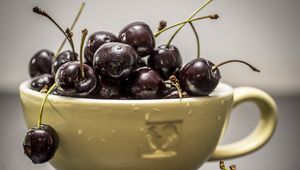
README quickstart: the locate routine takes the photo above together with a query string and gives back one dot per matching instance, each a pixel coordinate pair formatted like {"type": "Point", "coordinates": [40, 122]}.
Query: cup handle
{"type": "Point", "coordinates": [263, 131]}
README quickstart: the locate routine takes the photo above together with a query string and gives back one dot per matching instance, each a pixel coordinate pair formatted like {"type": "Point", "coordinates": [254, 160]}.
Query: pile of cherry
{"type": "Point", "coordinates": [127, 66]}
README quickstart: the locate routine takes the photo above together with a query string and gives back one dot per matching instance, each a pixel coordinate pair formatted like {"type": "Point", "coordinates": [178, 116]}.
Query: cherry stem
{"type": "Point", "coordinates": [71, 28]}
{"type": "Point", "coordinates": [43, 104]}
{"type": "Point", "coordinates": [175, 82]}
{"type": "Point", "coordinates": [84, 34]}
{"type": "Point", "coordinates": [222, 165]}
{"type": "Point", "coordinates": [44, 89]}
{"type": "Point", "coordinates": [70, 35]}
{"type": "Point", "coordinates": [162, 25]}
{"type": "Point", "coordinates": [231, 61]}
{"type": "Point", "coordinates": [215, 16]}
{"type": "Point", "coordinates": [197, 39]}
{"type": "Point", "coordinates": [232, 167]}
{"type": "Point", "coordinates": [39, 11]}
{"type": "Point", "coordinates": [189, 18]}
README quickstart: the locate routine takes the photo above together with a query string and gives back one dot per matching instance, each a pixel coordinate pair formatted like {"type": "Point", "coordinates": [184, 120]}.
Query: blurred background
{"type": "Point", "coordinates": [263, 33]}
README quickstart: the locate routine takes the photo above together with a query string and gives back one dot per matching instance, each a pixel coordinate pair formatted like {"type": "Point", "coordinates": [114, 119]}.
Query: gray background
{"type": "Point", "coordinates": [264, 33]}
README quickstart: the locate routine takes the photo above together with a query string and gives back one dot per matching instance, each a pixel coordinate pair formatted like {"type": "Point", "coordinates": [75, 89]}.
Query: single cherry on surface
{"type": "Point", "coordinates": [115, 61]}
{"type": "Point", "coordinates": [200, 77]}
{"type": "Point", "coordinates": [95, 41]}
{"type": "Point", "coordinates": [41, 63]}
{"type": "Point", "coordinates": [146, 83]}
{"type": "Point", "coordinates": [41, 143]}
{"type": "Point", "coordinates": [62, 58]}
{"type": "Point", "coordinates": [166, 60]}
{"type": "Point", "coordinates": [42, 81]}
{"type": "Point", "coordinates": [139, 36]}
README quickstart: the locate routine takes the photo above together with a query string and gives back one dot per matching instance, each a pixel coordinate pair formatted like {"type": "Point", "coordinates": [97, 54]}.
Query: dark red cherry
{"type": "Point", "coordinates": [69, 78]}
{"type": "Point", "coordinates": [95, 41]}
{"type": "Point", "coordinates": [197, 77]}
{"type": "Point", "coordinates": [107, 89]}
{"type": "Point", "coordinates": [166, 60]}
{"type": "Point", "coordinates": [41, 63]}
{"type": "Point", "coordinates": [139, 36]}
{"type": "Point", "coordinates": [89, 64]}
{"type": "Point", "coordinates": [115, 61]}
{"type": "Point", "coordinates": [200, 76]}
{"type": "Point", "coordinates": [146, 83]}
{"type": "Point", "coordinates": [42, 81]}
{"type": "Point", "coordinates": [62, 58]}
{"type": "Point", "coordinates": [40, 143]}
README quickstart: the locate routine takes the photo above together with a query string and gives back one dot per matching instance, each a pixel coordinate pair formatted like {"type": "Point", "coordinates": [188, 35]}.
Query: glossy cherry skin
{"type": "Point", "coordinates": [62, 58]}
{"type": "Point", "coordinates": [44, 80]}
{"type": "Point", "coordinates": [115, 61]}
{"type": "Point", "coordinates": [139, 36]}
{"type": "Point", "coordinates": [95, 41]}
{"type": "Point", "coordinates": [197, 77]}
{"type": "Point", "coordinates": [107, 89]}
{"type": "Point", "coordinates": [142, 63]}
{"type": "Point", "coordinates": [41, 63]}
{"type": "Point", "coordinates": [70, 80]}
{"type": "Point", "coordinates": [166, 60]}
{"type": "Point", "coordinates": [40, 144]}
{"type": "Point", "coordinates": [146, 83]}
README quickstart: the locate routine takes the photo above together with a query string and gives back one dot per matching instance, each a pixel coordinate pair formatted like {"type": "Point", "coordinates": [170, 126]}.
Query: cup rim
{"type": "Point", "coordinates": [222, 90]}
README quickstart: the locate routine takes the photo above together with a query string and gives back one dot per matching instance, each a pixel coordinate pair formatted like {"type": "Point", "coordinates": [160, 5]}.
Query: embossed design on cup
{"type": "Point", "coordinates": [161, 139]}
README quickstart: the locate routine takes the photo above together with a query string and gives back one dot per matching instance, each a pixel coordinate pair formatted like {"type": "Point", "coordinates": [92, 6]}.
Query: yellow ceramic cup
{"type": "Point", "coordinates": [163, 134]}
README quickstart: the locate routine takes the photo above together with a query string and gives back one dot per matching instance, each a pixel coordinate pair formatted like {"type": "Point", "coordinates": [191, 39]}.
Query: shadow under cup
{"type": "Point", "coordinates": [162, 134]}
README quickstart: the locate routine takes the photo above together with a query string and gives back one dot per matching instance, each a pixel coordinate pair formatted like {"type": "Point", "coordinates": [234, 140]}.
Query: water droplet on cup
{"type": "Point", "coordinates": [136, 109]}
{"type": "Point", "coordinates": [187, 104]}
{"type": "Point", "coordinates": [156, 109]}
{"type": "Point", "coordinates": [80, 131]}
{"type": "Point", "coordinates": [147, 116]}
{"type": "Point", "coordinates": [222, 102]}
{"type": "Point", "coordinates": [189, 113]}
